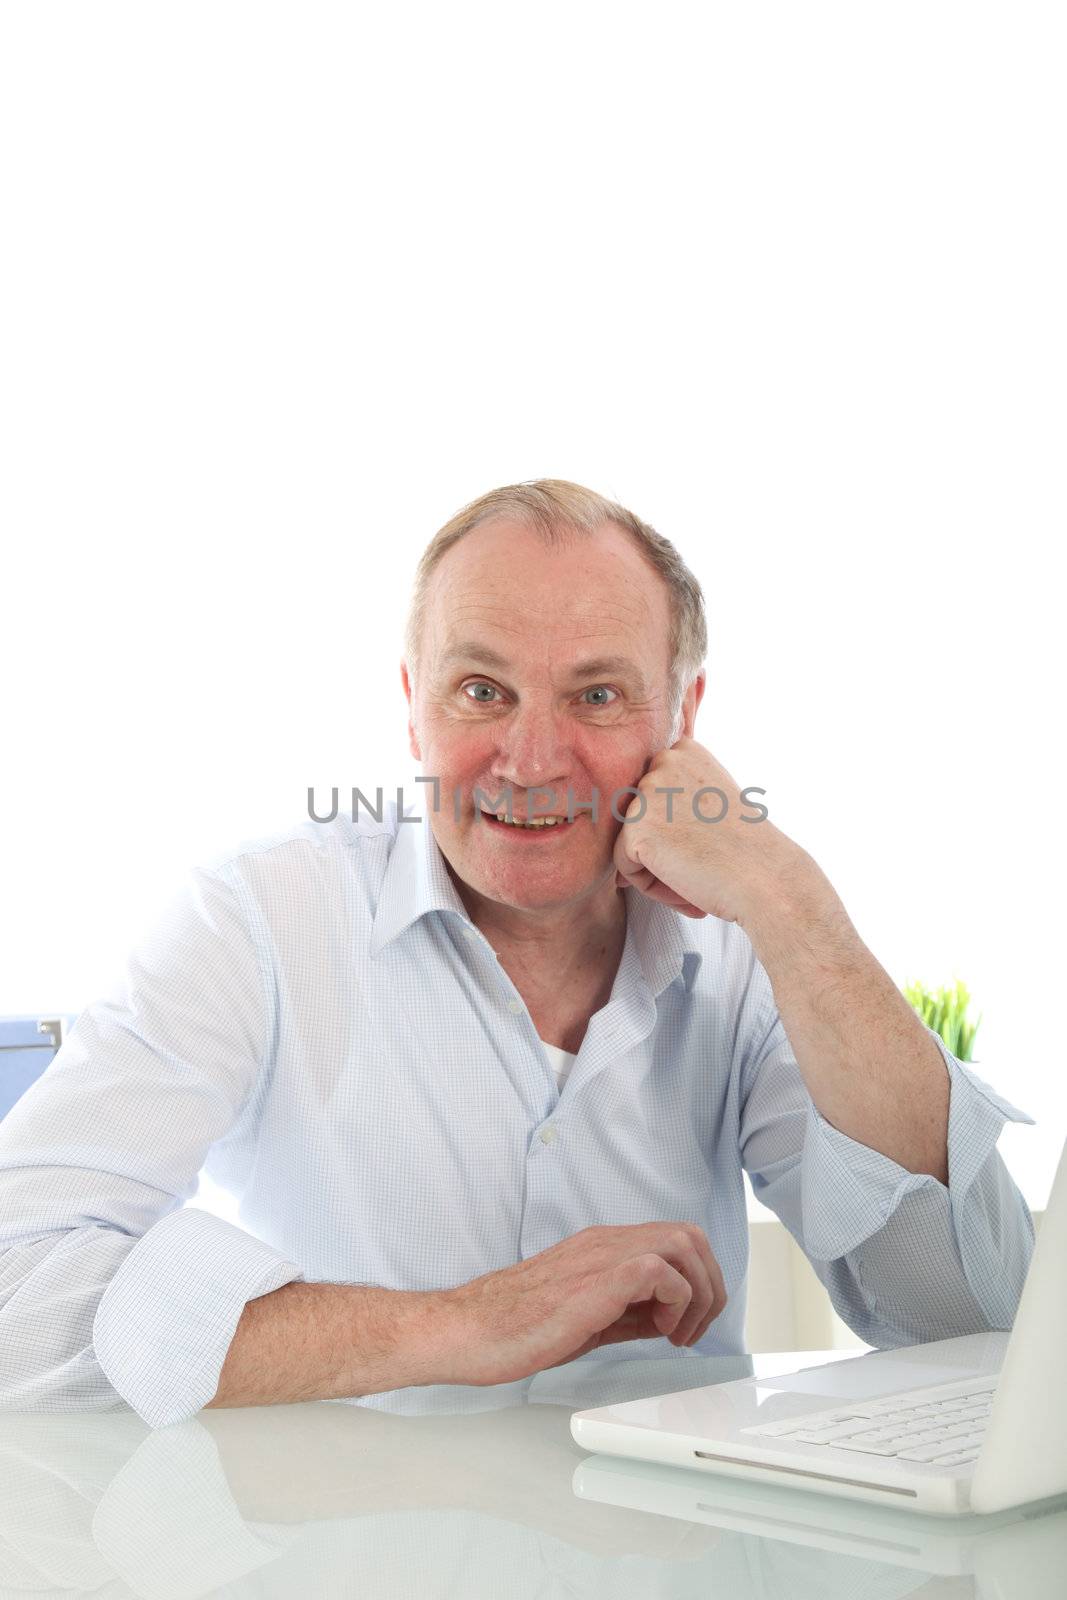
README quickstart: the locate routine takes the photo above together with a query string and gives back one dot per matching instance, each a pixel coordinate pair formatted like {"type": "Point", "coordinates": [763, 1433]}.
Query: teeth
{"type": "Point", "coordinates": [534, 822]}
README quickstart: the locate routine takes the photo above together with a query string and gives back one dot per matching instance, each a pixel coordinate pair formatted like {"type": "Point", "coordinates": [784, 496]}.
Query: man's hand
{"type": "Point", "coordinates": [601, 1286]}
{"type": "Point", "coordinates": [678, 853]}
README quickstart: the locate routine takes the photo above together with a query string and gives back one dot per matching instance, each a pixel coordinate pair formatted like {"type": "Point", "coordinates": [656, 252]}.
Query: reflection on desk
{"type": "Point", "coordinates": [451, 1491]}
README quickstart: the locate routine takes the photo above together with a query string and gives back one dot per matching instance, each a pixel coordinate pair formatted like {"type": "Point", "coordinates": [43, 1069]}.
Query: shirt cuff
{"type": "Point", "coordinates": [849, 1191]}
{"type": "Point", "coordinates": [168, 1316]}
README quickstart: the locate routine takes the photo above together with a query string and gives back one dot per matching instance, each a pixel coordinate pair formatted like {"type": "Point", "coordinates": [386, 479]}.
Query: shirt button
{"type": "Point", "coordinates": [549, 1133]}
{"type": "Point", "coordinates": [471, 934]}
{"type": "Point", "coordinates": [516, 1006]}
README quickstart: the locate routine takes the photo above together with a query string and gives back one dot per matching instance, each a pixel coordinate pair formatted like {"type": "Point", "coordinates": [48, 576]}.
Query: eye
{"type": "Point", "coordinates": [483, 699]}
{"type": "Point", "coordinates": [601, 689]}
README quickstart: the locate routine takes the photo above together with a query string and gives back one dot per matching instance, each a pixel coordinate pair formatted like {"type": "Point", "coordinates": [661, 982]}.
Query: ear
{"type": "Point", "coordinates": [690, 701]}
{"type": "Point", "coordinates": [413, 742]}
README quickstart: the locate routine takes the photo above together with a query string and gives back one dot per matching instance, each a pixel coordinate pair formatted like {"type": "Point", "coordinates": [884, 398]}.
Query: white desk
{"type": "Point", "coordinates": [464, 1493]}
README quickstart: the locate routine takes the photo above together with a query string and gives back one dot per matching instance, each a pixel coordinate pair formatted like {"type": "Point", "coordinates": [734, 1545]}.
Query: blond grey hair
{"type": "Point", "coordinates": [557, 509]}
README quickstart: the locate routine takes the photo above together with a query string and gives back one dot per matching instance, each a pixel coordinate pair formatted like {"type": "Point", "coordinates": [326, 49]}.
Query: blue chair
{"type": "Point", "coordinates": [27, 1045]}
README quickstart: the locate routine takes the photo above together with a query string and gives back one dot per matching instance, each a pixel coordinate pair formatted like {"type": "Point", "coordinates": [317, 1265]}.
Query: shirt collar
{"type": "Point", "coordinates": [417, 880]}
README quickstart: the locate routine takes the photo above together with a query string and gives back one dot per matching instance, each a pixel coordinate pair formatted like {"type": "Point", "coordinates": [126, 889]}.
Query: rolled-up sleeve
{"type": "Point", "coordinates": [168, 1316]}
{"type": "Point", "coordinates": [112, 1291]}
{"type": "Point", "coordinates": [905, 1258]}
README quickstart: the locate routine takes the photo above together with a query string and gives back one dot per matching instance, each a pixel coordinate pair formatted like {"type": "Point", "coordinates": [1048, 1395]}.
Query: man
{"type": "Point", "coordinates": [487, 1088]}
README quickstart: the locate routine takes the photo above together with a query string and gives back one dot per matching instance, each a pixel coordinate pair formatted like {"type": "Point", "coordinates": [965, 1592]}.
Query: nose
{"type": "Point", "coordinates": [532, 750]}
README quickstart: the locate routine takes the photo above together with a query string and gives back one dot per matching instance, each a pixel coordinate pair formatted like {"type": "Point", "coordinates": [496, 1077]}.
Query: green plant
{"type": "Point", "coordinates": [945, 1011]}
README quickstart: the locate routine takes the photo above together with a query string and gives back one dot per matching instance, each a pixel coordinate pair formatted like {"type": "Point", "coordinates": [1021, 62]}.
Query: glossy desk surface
{"type": "Point", "coordinates": [465, 1492]}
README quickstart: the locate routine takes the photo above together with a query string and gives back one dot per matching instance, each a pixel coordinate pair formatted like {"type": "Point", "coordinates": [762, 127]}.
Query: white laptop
{"type": "Point", "coordinates": [974, 1424]}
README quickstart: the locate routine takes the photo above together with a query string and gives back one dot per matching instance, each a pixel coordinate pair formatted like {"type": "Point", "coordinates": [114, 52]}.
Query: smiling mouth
{"type": "Point", "coordinates": [499, 819]}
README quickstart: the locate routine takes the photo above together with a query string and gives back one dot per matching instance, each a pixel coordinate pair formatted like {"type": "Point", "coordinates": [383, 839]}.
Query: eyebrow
{"type": "Point", "coordinates": [595, 667]}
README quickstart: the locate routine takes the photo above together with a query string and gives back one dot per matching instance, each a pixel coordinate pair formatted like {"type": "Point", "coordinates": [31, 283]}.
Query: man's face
{"type": "Point", "coordinates": [542, 667]}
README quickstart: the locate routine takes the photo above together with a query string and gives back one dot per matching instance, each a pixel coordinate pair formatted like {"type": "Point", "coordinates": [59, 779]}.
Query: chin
{"type": "Point", "coordinates": [529, 893]}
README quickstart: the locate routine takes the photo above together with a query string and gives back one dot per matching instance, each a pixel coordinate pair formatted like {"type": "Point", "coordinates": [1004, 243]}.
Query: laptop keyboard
{"type": "Point", "coordinates": [942, 1426]}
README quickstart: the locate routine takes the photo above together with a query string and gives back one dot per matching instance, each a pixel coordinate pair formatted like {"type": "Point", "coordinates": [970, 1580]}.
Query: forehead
{"type": "Point", "coordinates": [506, 586]}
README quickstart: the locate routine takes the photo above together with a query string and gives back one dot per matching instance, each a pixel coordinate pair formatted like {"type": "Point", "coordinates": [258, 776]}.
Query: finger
{"type": "Point", "coordinates": [649, 1278]}
{"type": "Point", "coordinates": [667, 1309]}
{"type": "Point", "coordinates": [648, 884]}
{"type": "Point", "coordinates": [695, 1324]}
{"type": "Point", "coordinates": [697, 1267]}
{"type": "Point", "coordinates": [639, 878]}
{"type": "Point", "coordinates": [693, 1257]}
{"type": "Point", "coordinates": [634, 1323]}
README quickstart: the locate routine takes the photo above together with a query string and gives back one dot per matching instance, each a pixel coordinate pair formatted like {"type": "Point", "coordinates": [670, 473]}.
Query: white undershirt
{"type": "Point", "coordinates": [562, 1061]}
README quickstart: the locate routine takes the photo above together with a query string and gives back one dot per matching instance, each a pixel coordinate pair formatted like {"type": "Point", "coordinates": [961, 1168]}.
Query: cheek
{"type": "Point", "coordinates": [615, 764]}
{"type": "Point", "coordinates": [461, 752]}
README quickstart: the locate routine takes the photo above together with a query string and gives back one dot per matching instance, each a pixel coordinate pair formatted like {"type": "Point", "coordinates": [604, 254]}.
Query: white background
{"type": "Point", "coordinates": [287, 285]}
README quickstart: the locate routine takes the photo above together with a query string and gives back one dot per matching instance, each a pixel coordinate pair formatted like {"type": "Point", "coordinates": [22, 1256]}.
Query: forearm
{"type": "Point", "coordinates": [869, 1064]}
{"type": "Point", "coordinates": [330, 1341]}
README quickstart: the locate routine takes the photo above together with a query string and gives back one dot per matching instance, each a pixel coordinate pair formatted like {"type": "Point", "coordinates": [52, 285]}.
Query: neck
{"type": "Point", "coordinates": [562, 960]}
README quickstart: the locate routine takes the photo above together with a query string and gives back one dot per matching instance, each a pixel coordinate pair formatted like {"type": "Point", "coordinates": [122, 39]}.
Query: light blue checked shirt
{"type": "Point", "coordinates": [316, 1023]}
